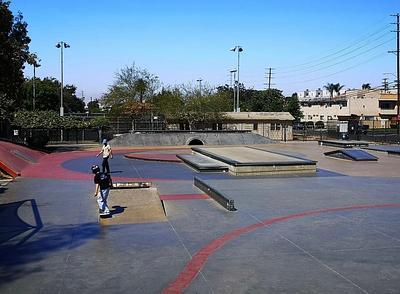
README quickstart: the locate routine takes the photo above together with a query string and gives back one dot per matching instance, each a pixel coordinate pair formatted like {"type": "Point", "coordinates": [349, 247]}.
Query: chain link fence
{"type": "Point", "coordinates": [380, 132]}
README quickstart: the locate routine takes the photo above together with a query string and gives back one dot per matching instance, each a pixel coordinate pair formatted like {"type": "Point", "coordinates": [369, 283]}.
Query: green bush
{"type": "Point", "coordinates": [38, 140]}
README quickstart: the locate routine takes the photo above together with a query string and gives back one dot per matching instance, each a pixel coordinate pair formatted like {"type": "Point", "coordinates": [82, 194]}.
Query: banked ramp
{"type": "Point", "coordinates": [189, 138]}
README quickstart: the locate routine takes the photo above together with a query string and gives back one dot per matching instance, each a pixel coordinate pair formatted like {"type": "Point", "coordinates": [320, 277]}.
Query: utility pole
{"type": "Point", "coordinates": [385, 84]}
{"type": "Point", "coordinates": [397, 52]}
{"type": "Point", "coordinates": [269, 77]}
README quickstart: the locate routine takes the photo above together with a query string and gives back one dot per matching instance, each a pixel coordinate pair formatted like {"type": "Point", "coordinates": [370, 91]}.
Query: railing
{"type": "Point", "coordinates": [377, 135]}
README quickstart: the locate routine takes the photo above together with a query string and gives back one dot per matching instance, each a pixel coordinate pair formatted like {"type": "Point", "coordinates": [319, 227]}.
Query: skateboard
{"type": "Point", "coordinates": [105, 215]}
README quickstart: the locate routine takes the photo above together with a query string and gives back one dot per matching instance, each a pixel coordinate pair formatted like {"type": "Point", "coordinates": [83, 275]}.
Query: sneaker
{"type": "Point", "coordinates": [101, 211]}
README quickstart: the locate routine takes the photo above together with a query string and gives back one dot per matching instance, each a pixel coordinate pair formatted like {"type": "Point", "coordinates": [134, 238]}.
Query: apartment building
{"type": "Point", "coordinates": [373, 107]}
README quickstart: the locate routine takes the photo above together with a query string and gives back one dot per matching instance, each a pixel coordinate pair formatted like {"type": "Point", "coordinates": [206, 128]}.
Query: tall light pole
{"type": "Point", "coordinates": [200, 80]}
{"type": "Point", "coordinates": [238, 49]}
{"type": "Point", "coordinates": [233, 73]}
{"type": "Point", "coordinates": [35, 65]}
{"type": "Point", "coordinates": [33, 60]}
{"type": "Point", "coordinates": [62, 45]}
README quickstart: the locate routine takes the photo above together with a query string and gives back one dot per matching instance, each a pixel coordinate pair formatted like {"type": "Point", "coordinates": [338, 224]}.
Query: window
{"type": "Point", "coordinates": [387, 105]}
{"type": "Point", "coordinates": [275, 127]}
{"type": "Point", "coordinates": [255, 127]}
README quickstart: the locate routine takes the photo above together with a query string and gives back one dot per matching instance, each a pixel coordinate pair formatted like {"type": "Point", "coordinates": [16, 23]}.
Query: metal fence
{"type": "Point", "coordinates": [377, 132]}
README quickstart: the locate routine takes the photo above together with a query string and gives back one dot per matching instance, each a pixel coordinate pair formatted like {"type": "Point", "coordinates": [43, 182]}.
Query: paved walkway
{"type": "Point", "coordinates": [335, 232]}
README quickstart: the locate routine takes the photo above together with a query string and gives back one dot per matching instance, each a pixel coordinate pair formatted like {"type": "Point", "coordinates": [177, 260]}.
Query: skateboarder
{"type": "Point", "coordinates": [103, 184]}
{"type": "Point", "coordinates": [107, 153]}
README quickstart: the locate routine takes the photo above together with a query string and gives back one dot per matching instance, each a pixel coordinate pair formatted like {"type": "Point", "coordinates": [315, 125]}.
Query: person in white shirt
{"type": "Point", "coordinates": [107, 153]}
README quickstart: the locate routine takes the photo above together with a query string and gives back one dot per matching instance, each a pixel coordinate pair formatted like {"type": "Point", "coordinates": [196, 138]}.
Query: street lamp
{"type": "Point", "coordinates": [238, 49]}
{"type": "Point", "coordinates": [33, 60]}
{"type": "Point", "coordinates": [233, 73]}
{"type": "Point", "coordinates": [62, 45]}
{"type": "Point", "coordinates": [200, 80]}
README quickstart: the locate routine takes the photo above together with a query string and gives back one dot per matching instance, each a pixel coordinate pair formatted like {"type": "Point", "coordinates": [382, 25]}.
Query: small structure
{"type": "Point", "coordinates": [273, 125]}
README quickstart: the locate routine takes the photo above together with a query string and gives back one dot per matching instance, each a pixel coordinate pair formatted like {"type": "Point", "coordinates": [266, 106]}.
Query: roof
{"type": "Point", "coordinates": [253, 116]}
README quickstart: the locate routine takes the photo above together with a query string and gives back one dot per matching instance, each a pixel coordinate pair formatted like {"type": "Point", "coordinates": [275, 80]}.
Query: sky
{"type": "Point", "coordinates": [306, 43]}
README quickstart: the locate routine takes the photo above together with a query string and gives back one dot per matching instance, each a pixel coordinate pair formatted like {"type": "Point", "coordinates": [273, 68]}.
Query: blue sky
{"type": "Point", "coordinates": [308, 43]}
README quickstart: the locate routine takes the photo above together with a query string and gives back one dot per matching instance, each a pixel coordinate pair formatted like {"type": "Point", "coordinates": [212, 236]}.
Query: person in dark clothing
{"type": "Point", "coordinates": [103, 184]}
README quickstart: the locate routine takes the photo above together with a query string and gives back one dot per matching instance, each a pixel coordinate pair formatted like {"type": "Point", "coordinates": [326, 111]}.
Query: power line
{"type": "Point", "coordinates": [354, 43]}
{"type": "Point", "coordinates": [340, 62]}
{"type": "Point", "coordinates": [346, 69]}
{"type": "Point", "coordinates": [343, 54]}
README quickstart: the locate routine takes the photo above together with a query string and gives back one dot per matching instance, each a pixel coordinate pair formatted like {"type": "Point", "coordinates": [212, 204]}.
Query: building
{"type": "Point", "coordinates": [375, 108]}
{"type": "Point", "coordinates": [273, 125]}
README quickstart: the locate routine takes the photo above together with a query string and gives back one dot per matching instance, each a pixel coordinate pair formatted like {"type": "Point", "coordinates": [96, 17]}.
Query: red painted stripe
{"type": "Point", "coordinates": [193, 267]}
{"type": "Point", "coordinates": [169, 197]}
{"type": "Point", "coordinates": [9, 170]}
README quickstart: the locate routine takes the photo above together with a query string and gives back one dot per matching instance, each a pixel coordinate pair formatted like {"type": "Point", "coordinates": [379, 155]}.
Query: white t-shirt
{"type": "Point", "coordinates": [106, 150]}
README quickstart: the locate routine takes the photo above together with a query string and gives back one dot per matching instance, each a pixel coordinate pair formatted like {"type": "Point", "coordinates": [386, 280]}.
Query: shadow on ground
{"type": "Point", "coordinates": [27, 248]}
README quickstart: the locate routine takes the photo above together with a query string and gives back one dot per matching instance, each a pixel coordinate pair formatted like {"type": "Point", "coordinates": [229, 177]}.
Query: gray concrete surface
{"type": "Point", "coordinates": [184, 138]}
{"type": "Point", "coordinates": [54, 243]}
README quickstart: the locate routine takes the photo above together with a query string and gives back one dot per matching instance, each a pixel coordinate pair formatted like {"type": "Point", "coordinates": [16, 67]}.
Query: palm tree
{"type": "Point", "coordinates": [366, 86]}
{"type": "Point", "coordinates": [331, 88]}
{"type": "Point", "coordinates": [337, 87]}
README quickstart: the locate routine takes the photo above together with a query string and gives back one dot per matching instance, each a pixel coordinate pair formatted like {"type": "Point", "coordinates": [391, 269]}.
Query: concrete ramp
{"type": "Point", "coordinates": [247, 161]}
{"type": "Point", "coordinates": [134, 206]}
{"type": "Point", "coordinates": [14, 158]}
{"type": "Point", "coordinates": [189, 138]}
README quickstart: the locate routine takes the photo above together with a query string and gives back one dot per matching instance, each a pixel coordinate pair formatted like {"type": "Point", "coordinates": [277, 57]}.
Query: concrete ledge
{"type": "Point", "coordinates": [131, 185]}
{"type": "Point", "coordinates": [253, 161]}
{"type": "Point", "coordinates": [202, 163]}
{"type": "Point", "coordinates": [225, 202]}
{"type": "Point", "coordinates": [343, 143]}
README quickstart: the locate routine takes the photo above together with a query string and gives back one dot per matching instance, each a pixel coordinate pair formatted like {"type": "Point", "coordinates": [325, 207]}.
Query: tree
{"type": "Point", "coordinates": [93, 106]}
{"type": "Point", "coordinates": [337, 87]}
{"type": "Point", "coordinates": [48, 96]}
{"type": "Point", "coordinates": [270, 100]}
{"type": "Point", "coordinates": [169, 103]}
{"type": "Point", "coordinates": [293, 106]}
{"type": "Point", "coordinates": [14, 52]}
{"type": "Point", "coordinates": [184, 104]}
{"type": "Point", "coordinates": [132, 84]}
{"type": "Point", "coordinates": [366, 86]}
{"type": "Point", "coordinates": [333, 88]}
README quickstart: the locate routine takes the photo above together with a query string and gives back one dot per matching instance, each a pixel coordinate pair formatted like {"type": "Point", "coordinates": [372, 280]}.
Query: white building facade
{"type": "Point", "coordinates": [365, 105]}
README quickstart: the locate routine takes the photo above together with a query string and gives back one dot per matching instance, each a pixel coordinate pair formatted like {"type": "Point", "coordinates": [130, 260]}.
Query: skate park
{"type": "Point", "coordinates": [332, 228]}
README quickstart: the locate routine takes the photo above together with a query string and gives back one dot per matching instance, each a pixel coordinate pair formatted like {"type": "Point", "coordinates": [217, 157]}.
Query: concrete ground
{"type": "Point", "coordinates": [335, 232]}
